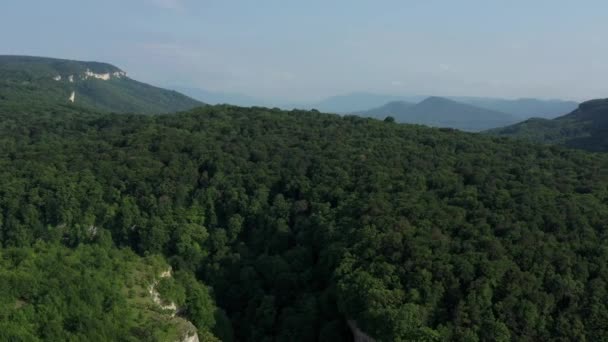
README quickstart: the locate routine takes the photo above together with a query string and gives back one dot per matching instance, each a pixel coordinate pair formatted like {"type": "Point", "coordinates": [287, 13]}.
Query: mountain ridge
{"type": "Point", "coordinates": [442, 112]}
{"type": "Point", "coordinates": [584, 128]}
{"type": "Point", "coordinates": [95, 85]}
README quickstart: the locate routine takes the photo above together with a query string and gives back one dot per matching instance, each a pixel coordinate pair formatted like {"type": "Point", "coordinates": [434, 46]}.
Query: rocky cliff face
{"type": "Point", "coordinates": [89, 74]}
{"type": "Point", "coordinates": [191, 336]}
{"type": "Point", "coordinates": [189, 333]}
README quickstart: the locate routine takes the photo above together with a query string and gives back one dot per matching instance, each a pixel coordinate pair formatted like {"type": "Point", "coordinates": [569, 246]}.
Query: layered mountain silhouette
{"type": "Point", "coordinates": [442, 112]}
{"type": "Point", "coordinates": [99, 86]}
{"type": "Point", "coordinates": [523, 108]}
{"type": "Point", "coordinates": [352, 102]}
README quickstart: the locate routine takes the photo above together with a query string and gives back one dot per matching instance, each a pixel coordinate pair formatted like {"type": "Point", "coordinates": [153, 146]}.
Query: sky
{"type": "Point", "coordinates": [310, 49]}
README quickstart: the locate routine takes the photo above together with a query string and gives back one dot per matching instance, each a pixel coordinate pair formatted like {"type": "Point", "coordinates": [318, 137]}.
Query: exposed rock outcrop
{"type": "Point", "coordinates": [190, 334]}
{"type": "Point", "coordinates": [156, 296]}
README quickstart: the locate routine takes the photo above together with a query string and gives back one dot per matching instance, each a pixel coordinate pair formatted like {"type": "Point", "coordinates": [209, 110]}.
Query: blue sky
{"type": "Point", "coordinates": [305, 50]}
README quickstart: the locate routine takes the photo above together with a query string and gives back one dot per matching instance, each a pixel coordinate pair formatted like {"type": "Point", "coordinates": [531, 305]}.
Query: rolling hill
{"type": "Point", "coordinates": [100, 86]}
{"type": "Point", "coordinates": [442, 112]}
{"type": "Point", "coordinates": [584, 128]}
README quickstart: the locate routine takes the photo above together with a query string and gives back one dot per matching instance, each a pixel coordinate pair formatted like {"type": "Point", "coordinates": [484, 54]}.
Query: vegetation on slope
{"type": "Point", "coordinates": [32, 80]}
{"type": "Point", "coordinates": [89, 293]}
{"type": "Point", "coordinates": [300, 221]}
{"type": "Point", "coordinates": [585, 128]}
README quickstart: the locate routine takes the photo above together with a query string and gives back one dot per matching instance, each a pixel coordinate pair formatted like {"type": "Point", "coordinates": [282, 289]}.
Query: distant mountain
{"type": "Point", "coordinates": [442, 112]}
{"type": "Point", "coordinates": [584, 128]}
{"type": "Point", "coordinates": [353, 102]}
{"type": "Point", "coordinates": [213, 98]}
{"type": "Point", "coordinates": [522, 108]}
{"type": "Point", "coordinates": [94, 85]}
{"type": "Point", "coordinates": [393, 109]}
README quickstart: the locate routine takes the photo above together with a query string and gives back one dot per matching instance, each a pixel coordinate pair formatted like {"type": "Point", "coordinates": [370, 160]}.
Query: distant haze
{"type": "Point", "coordinates": [303, 51]}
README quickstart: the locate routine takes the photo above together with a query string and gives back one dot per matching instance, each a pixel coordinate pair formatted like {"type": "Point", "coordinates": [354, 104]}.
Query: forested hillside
{"type": "Point", "coordinates": [93, 292]}
{"type": "Point", "coordinates": [97, 86]}
{"type": "Point", "coordinates": [585, 128]}
{"type": "Point", "coordinates": [300, 221]}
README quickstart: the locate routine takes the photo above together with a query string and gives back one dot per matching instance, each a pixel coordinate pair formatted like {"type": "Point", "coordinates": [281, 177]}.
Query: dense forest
{"type": "Point", "coordinates": [283, 226]}
{"type": "Point", "coordinates": [93, 292]}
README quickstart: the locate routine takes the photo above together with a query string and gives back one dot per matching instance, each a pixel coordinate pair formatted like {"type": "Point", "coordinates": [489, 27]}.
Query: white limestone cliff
{"type": "Point", "coordinates": [106, 76]}
{"type": "Point", "coordinates": [90, 74]}
{"type": "Point", "coordinates": [189, 336]}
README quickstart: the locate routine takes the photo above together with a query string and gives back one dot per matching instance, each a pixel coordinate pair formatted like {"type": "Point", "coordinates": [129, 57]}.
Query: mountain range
{"type": "Point", "coordinates": [105, 87]}
{"type": "Point", "coordinates": [99, 86]}
{"type": "Point", "coordinates": [227, 223]}
{"type": "Point", "coordinates": [442, 112]}
{"type": "Point", "coordinates": [352, 102]}
{"type": "Point", "coordinates": [362, 101]}
{"type": "Point", "coordinates": [522, 108]}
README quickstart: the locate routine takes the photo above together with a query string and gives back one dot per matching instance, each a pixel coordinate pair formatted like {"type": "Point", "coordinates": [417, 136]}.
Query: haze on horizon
{"type": "Point", "coordinates": [307, 50]}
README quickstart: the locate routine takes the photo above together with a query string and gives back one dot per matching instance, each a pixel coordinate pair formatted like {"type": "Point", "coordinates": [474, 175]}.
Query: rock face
{"type": "Point", "coordinates": [90, 74]}
{"type": "Point", "coordinates": [191, 334]}
{"type": "Point", "coordinates": [156, 296]}
{"type": "Point", "coordinates": [359, 335]}
{"type": "Point", "coordinates": [190, 338]}
{"type": "Point", "coordinates": [106, 76]}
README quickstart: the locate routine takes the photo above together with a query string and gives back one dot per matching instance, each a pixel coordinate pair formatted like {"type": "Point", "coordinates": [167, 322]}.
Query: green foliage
{"type": "Point", "coordinates": [90, 293]}
{"type": "Point", "coordinates": [171, 291]}
{"type": "Point", "coordinates": [199, 305]}
{"type": "Point", "coordinates": [585, 128]}
{"type": "Point", "coordinates": [299, 221]}
{"type": "Point", "coordinates": [30, 81]}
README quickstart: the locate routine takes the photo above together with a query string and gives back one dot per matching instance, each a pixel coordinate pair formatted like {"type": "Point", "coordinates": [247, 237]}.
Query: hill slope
{"type": "Point", "coordinates": [101, 86]}
{"type": "Point", "coordinates": [585, 128]}
{"type": "Point", "coordinates": [442, 112]}
{"type": "Point", "coordinates": [89, 293]}
{"type": "Point", "coordinates": [302, 222]}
